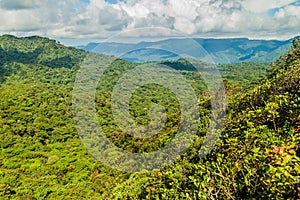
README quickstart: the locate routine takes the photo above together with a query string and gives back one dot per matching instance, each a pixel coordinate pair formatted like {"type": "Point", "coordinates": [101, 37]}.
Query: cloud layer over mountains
{"type": "Point", "coordinates": [203, 18]}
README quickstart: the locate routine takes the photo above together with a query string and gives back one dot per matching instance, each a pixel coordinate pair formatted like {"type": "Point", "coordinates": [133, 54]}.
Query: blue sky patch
{"type": "Point", "coordinates": [109, 1]}
{"type": "Point", "coordinates": [273, 11]}
{"type": "Point", "coordinates": [296, 3]}
{"type": "Point", "coordinates": [115, 1]}
{"type": "Point", "coordinates": [85, 1]}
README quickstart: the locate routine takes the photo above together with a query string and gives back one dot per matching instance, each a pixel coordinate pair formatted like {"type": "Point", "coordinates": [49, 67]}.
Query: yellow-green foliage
{"type": "Point", "coordinates": [42, 156]}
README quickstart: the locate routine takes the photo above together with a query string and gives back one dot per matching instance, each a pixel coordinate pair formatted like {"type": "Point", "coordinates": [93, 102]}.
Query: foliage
{"type": "Point", "coordinates": [42, 157]}
{"type": "Point", "coordinates": [38, 50]}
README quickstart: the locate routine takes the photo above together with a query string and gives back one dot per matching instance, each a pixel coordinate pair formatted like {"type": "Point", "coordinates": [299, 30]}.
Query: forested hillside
{"type": "Point", "coordinates": [42, 156]}
{"type": "Point", "coordinates": [38, 50]}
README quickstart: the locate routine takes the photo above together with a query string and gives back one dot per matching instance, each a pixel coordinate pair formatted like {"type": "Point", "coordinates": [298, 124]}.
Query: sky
{"type": "Point", "coordinates": [89, 20]}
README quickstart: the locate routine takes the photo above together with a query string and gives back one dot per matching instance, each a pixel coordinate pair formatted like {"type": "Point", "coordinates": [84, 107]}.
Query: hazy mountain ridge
{"type": "Point", "coordinates": [223, 51]}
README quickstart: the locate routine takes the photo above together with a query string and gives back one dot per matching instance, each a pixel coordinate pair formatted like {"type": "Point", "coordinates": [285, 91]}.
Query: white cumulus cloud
{"type": "Point", "coordinates": [198, 18]}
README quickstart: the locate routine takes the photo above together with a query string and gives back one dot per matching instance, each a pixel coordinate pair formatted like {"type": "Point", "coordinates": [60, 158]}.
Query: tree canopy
{"type": "Point", "coordinates": [42, 156]}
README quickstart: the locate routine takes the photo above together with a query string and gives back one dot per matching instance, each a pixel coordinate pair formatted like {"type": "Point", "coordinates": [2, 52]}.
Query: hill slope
{"type": "Point", "coordinates": [43, 158]}
{"type": "Point", "coordinates": [258, 154]}
{"type": "Point", "coordinates": [38, 50]}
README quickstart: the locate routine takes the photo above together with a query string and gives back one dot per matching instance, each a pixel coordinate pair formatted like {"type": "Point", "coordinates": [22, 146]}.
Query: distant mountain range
{"type": "Point", "coordinates": [223, 51]}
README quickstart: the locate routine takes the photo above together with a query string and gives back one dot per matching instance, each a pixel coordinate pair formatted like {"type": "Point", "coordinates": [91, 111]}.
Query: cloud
{"type": "Point", "coordinates": [19, 4]}
{"type": "Point", "coordinates": [98, 18]}
{"type": "Point", "coordinates": [264, 5]}
{"type": "Point", "coordinates": [288, 17]}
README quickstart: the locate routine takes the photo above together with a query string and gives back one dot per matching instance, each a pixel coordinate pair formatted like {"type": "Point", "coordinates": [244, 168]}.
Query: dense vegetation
{"type": "Point", "coordinates": [43, 157]}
